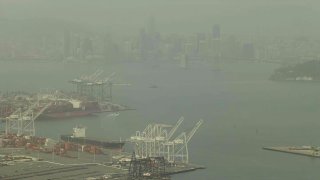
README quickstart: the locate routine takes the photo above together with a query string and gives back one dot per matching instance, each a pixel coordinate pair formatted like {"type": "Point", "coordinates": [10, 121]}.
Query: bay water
{"type": "Point", "coordinates": [242, 111]}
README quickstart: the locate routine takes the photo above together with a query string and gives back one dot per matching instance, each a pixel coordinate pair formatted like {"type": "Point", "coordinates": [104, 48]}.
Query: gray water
{"type": "Point", "coordinates": [241, 109]}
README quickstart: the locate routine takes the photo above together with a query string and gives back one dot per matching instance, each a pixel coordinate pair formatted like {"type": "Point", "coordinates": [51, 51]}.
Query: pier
{"type": "Point", "coordinates": [303, 150]}
{"type": "Point", "coordinates": [19, 163]}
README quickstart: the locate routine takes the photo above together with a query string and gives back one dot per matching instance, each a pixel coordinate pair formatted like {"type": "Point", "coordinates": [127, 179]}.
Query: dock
{"type": "Point", "coordinates": [300, 150]}
{"type": "Point", "coordinates": [184, 168]}
{"type": "Point", "coordinates": [19, 163]}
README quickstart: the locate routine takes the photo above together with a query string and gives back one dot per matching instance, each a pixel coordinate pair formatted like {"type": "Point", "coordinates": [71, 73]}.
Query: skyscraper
{"type": "Point", "coordinates": [215, 43]}
{"type": "Point", "coordinates": [66, 43]}
{"type": "Point", "coordinates": [248, 51]}
{"type": "Point", "coordinates": [151, 26]}
{"type": "Point", "coordinates": [216, 31]}
{"type": "Point", "coordinates": [87, 47]}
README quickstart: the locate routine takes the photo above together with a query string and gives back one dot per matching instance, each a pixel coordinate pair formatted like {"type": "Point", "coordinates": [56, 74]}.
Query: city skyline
{"type": "Point", "coordinates": [246, 18]}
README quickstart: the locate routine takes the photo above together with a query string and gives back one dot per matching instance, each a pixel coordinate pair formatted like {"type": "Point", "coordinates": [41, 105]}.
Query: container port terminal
{"type": "Point", "coordinates": [90, 95]}
{"type": "Point", "coordinates": [158, 154]}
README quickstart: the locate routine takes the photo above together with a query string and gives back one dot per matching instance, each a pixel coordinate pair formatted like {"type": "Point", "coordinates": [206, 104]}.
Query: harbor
{"type": "Point", "coordinates": [24, 155]}
{"type": "Point", "coordinates": [19, 163]}
{"type": "Point", "coordinates": [36, 165]}
{"type": "Point", "coordinates": [90, 95]}
{"type": "Point", "coordinates": [47, 166]}
{"type": "Point", "coordinates": [159, 154]}
{"type": "Point", "coordinates": [215, 145]}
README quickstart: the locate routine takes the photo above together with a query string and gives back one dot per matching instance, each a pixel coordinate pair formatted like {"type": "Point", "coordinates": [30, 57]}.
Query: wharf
{"type": "Point", "coordinates": [33, 165]}
{"type": "Point", "coordinates": [79, 165]}
{"type": "Point", "coordinates": [182, 168]}
{"type": "Point", "coordinates": [301, 150]}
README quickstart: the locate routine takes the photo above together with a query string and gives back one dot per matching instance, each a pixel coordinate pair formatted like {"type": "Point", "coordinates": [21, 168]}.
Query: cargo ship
{"type": "Point", "coordinates": [79, 136]}
{"type": "Point", "coordinates": [67, 108]}
{"type": "Point", "coordinates": [70, 108]}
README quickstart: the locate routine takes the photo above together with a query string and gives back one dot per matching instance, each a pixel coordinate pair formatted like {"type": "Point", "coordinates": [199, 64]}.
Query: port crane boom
{"type": "Point", "coordinates": [193, 131]}
{"type": "Point", "coordinates": [22, 122]}
{"type": "Point", "coordinates": [95, 76]}
{"type": "Point", "coordinates": [174, 129]}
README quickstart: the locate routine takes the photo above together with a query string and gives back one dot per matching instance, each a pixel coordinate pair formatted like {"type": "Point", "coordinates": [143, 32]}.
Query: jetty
{"type": "Point", "coordinates": [300, 150]}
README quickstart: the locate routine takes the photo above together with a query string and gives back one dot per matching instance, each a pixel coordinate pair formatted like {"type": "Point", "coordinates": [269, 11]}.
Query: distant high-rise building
{"type": "Point", "coordinates": [87, 47]}
{"type": "Point", "coordinates": [128, 47]}
{"type": "Point", "coordinates": [143, 43]}
{"type": "Point", "coordinates": [248, 51]}
{"type": "Point", "coordinates": [66, 43]}
{"type": "Point", "coordinates": [151, 26]}
{"type": "Point", "coordinates": [216, 31]}
{"type": "Point", "coordinates": [200, 37]}
{"type": "Point", "coordinates": [231, 48]}
{"type": "Point", "coordinates": [188, 48]}
{"type": "Point", "coordinates": [76, 45]}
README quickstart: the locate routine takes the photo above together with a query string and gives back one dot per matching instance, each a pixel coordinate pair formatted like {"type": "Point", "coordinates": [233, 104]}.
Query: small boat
{"type": "Point", "coordinates": [115, 114]}
{"type": "Point", "coordinates": [153, 86]}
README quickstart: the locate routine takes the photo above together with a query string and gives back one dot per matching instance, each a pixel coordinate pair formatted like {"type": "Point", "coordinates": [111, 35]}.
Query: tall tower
{"type": "Point", "coordinates": [216, 31]}
{"type": "Point", "coordinates": [151, 26]}
{"type": "Point", "coordinates": [87, 47]}
{"type": "Point", "coordinates": [248, 51]}
{"type": "Point", "coordinates": [216, 46]}
{"type": "Point", "coordinates": [66, 43]}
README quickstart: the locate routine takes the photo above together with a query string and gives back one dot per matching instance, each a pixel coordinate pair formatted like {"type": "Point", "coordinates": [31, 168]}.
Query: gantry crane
{"type": "Point", "coordinates": [156, 140]}
{"type": "Point", "coordinates": [22, 122]}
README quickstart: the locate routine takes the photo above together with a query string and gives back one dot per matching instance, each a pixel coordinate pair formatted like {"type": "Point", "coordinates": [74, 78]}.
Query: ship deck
{"type": "Point", "coordinates": [93, 138]}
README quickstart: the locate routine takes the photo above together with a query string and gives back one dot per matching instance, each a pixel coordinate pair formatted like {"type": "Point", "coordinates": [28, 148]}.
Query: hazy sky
{"type": "Point", "coordinates": [275, 17]}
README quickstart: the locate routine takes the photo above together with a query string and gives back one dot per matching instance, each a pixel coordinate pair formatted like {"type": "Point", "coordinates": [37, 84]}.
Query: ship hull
{"type": "Point", "coordinates": [89, 141]}
{"type": "Point", "coordinates": [61, 115]}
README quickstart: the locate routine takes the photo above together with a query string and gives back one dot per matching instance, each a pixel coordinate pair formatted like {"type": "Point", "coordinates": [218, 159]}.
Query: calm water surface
{"type": "Point", "coordinates": [242, 112]}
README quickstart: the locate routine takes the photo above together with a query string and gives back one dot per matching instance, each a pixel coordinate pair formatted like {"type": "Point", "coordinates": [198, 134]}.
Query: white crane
{"type": "Point", "coordinates": [95, 75]}
{"type": "Point", "coordinates": [22, 122]}
{"type": "Point", "coordinates": [180, 144]}
{"type": "Point", "coordinates": [174, 129]}
{"type": "Point", "coordinates": [193, 131]}
{"type": "Point", "coordinates": [155, 140]}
